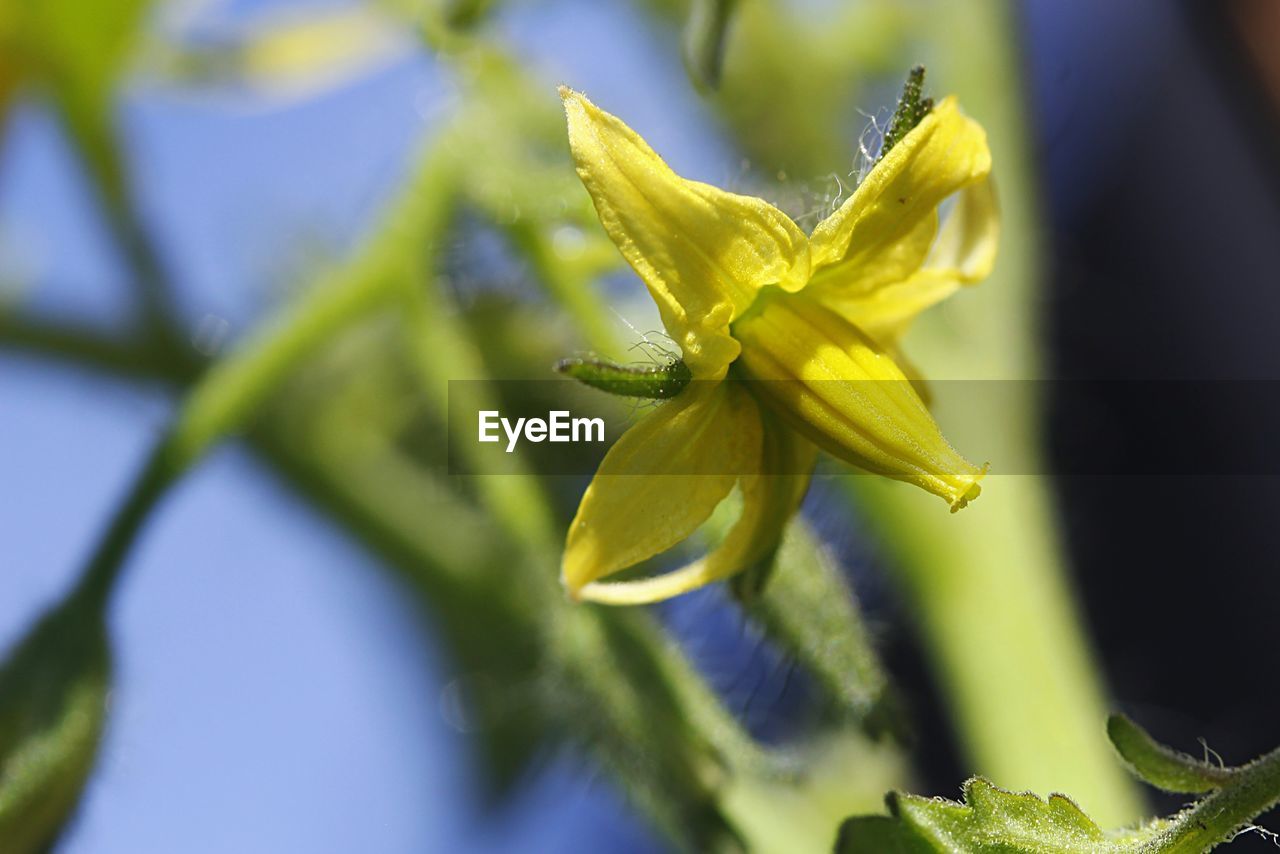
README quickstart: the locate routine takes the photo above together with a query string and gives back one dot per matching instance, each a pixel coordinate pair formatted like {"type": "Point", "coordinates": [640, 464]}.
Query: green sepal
{"type": "Point", "coordinates": [657, 382]}
{"type": "Point", "coordinates": [912, 107]}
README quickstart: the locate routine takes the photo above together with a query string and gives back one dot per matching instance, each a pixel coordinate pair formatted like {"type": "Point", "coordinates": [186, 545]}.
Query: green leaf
{"type": "Point", "coordinates": [53, 697]}
{"type": "Point", "coordinates": [991, 820]}
{"type": "Point", "coordinates": [1162, 766]}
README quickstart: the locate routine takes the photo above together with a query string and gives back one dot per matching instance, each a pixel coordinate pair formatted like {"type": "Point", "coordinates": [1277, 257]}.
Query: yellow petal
{"type": "Point", "coordinates": [963, 254]}
{"type": "Point", "coordinates": [883, 232]}
{"type": "Point", "coordinates": [703, 253]}
{"type": "Point", "coordinates": [661, 480]}
{"type": "Point", "coordinates": [770, 498]}
{"type": "Point", "coordinates": [842, 391]}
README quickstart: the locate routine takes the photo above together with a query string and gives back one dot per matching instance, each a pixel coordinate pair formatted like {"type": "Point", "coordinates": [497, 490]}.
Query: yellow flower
{"type": "Point", "coordinates": [811, 323]}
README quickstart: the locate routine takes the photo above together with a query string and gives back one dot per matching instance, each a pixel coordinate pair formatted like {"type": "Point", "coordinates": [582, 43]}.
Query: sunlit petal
{"type": "Point", "coordinates": [770, 498]}
{"type": "Point", "coordinates": [840, 389]}
{"type": "Point", "coordinates": [662, 479]}
{"type": "Point", "coordinates": [883, 233]}
{"type": "Point", "coordinates": [703, 253]}
{"type": "Point", "coordinates": [963, 254]}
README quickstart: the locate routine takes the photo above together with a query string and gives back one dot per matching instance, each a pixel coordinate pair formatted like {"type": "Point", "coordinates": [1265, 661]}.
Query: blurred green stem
{"type": "Point", "coordinates": [234, 388]}
{"type": "Point", "coordinates": [571, 286]}
{"type": "Point", "coordinates": [441, 351]}
{"type": "Point", "coordinates": [103, 569]}
{"type": "Point", "coordinates": [225, 398]}
{"type": "Point", "coordinates": [92, 132]}
{"type": "Point", "coordinates": [89, 348]}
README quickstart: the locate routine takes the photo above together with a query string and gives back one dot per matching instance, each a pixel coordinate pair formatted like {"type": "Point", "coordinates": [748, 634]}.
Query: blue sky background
{"type": "Point", "coordinates": [274, 691]}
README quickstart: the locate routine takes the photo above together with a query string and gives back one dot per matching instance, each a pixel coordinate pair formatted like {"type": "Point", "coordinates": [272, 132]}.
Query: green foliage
{"type": "Point", "coordinates": [465, 13]}
{"type": "Point", "coordinates": [991, 820]}
{"type": "Point", "coordinates": [54, 695]}
{"type": "Point", "coordinates": [77, 48]}
{"type": "Point", "coordinates": [1159, 765]}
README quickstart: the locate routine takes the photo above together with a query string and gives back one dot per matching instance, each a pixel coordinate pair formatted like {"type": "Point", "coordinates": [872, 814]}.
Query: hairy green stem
{"type": "Point", "coordinates": [1253, 789]}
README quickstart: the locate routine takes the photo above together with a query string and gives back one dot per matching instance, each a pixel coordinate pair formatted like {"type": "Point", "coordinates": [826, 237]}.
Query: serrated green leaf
{"type": "Point", "coordinates": [993, 821]}
{"type": "Point", "coordinates": [53, 697]}
{"type": "Point", "coordinates": [1161, 766]}
{"type": "Point", "coordinates": [990, 821]}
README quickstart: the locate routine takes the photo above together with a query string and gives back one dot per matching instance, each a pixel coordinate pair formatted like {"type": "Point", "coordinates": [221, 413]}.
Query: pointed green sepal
{"type": "Point", "coordinates": [656, 382]}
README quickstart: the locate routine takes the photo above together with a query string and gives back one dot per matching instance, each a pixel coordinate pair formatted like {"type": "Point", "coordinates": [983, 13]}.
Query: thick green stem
{"type": "Point", "coordinates": [997, 611]}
